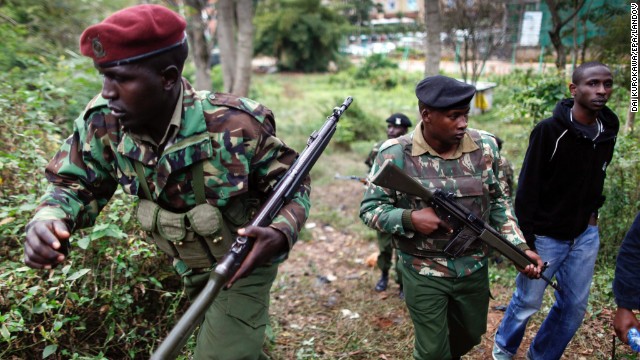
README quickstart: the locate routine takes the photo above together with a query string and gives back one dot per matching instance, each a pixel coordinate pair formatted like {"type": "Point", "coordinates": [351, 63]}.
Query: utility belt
{"type": "Point", "coordinates": [426, 247]}
{"type": "Point", "coordinates": [198, 237]}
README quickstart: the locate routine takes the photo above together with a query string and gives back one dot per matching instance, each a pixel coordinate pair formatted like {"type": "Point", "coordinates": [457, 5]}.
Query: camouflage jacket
{"type": "Point", "coordinates": [234, 136]}
{"type": "Point", "coordinates": [373, 153]}
{"type": "Point", "coordinates": [473, 175]}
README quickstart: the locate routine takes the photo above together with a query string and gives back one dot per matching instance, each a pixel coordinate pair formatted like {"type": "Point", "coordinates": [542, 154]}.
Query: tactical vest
{"type": "Point", "coordinates": [467, 188]}
{"type": "Point", "coordinates": [200, 236]}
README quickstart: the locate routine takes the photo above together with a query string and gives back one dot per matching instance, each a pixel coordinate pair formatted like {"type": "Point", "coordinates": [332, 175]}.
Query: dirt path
{"type": "Point", "coordinates": [324, 305]}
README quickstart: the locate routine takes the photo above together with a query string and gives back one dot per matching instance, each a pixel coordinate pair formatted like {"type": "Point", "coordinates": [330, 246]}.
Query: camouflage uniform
{"type": "Point", "coordinates": [234, 140]}
{"type": "Point", "coordinates": [474, 176]}
{"type": "Point", "coordinates": [384, 239]}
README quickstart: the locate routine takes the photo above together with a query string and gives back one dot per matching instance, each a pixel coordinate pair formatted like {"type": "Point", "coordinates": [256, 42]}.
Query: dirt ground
{"type": "Point", "coordinates": [324, 305]}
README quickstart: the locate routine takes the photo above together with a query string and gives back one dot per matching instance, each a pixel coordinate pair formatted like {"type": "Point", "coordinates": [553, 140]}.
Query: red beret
{"type": "Point", "coordinates": [132, 34]}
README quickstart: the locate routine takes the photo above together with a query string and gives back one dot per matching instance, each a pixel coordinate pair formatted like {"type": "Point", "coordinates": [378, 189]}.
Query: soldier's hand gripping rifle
{"type": "Point", "coordinates": [466, 226]}
{"type": "Point", "coordinates": [281, 194]}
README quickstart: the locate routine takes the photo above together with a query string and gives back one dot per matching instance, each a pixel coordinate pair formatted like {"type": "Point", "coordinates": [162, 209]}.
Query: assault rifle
{"type": "Point", "coordinates": [224, 270]}
{"type": "Point", "coordinates": [352, 177]}
{"type": "Point", "coordinates": [466, 226]}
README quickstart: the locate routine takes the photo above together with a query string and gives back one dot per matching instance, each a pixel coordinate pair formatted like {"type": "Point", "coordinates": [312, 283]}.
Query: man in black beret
{"type": "Point", "coordinates": [397, 125]}
{"type": "Point", "coordinates": [447, 297]}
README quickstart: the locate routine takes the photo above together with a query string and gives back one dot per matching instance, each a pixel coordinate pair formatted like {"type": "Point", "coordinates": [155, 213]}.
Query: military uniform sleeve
{"type": "Point", "coordinates": [79, 184]}
{"type": "Point", "coordinates": [270, 162]}
{"type": "Point", "coordinates": [378, 207]}
{"type": "Point", "coordinates": [502, 215]}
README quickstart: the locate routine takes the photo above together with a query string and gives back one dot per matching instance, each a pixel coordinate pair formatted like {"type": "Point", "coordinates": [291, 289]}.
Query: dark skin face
{"type": "Point", "coordinates": [444, 129]}
{"type": "Point", "coordinates": [591, 94]}
{"type": "Point", "coordinates": [142, 98]}
{"type": "Point", "coordinates": [394, 131]}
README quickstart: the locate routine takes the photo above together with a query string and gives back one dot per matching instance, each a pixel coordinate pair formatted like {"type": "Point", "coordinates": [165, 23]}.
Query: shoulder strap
{"type": "Point", "coordinates": [197, 181]}
{"type": "Point", "coordinates": [142, 180]}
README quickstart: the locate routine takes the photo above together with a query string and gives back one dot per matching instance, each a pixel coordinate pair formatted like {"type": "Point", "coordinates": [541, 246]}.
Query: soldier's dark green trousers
{"type": "Point", "coordinates": [449, 315]}
{"type": "Point", "coordinates": [234, 325]}
{"type": "Point", "coordinates": [386, 253]}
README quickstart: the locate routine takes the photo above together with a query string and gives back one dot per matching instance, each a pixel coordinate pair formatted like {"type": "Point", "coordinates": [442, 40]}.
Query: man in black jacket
{"type": "Point", "coordinates": [557, 201]}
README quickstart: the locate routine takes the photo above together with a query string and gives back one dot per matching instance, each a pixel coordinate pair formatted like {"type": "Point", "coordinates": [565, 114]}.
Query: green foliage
{"type": "Point", "coordinates": [622, 195]}
{"type": "Point", "coordinates": [528, 97]}
{"type": "Point", "coordinates": [374, 62]}
{"type": "Point", "coordinates": [303, 35]}
{"type": "Point", "coordinates": [356, 125]}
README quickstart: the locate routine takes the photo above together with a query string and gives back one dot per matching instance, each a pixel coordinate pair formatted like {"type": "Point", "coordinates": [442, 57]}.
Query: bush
{"type": "Point", "coordinates": [526, 98]}
{"type": "Point", "coordinates": [622, 196]}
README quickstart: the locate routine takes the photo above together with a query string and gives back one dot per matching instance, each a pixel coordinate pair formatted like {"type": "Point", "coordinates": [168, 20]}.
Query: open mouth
{"type": "Point", "coordinates": [116, 112]}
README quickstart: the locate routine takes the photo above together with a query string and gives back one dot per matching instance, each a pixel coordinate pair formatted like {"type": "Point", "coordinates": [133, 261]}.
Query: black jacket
{"type": "Point", "coordinates": [562, 177]}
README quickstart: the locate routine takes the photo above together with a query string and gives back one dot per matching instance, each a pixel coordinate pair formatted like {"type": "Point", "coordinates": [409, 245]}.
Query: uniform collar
{"type": "Point", "coordinates": [420, 145]}
{"type": "Point", "coordinates": [172, 129]}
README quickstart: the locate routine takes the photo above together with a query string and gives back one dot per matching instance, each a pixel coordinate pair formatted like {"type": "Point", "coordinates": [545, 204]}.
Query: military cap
{"type": "Point", "coordinates": [399, 119]}
{"type": "Point", "coordinates": [442, 92]}
{"type": "Point", "coordinates": [133, 34]}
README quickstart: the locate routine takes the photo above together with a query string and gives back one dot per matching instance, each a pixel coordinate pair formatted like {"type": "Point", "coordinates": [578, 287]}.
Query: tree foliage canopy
{"type": "Point", "coordinates": [302, 34]}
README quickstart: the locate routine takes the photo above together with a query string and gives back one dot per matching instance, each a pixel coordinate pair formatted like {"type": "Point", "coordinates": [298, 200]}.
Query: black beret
{"type": "Point", "coordinates": [442, 92]}
{"type": "Point", "coordinates": [399, 119]}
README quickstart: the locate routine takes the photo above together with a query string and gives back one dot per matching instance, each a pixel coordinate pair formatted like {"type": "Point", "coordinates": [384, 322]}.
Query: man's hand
{"type": "Point", "coordinates": [268, 244]}
{"type": "Point", "coordinates": [426, 221]}
{"type": "Point", "coordinates": [45, 245]}
{"type": "Point", "coordinates": [623, 321]}
{"type": "Point", "coordinates": [533, 271]}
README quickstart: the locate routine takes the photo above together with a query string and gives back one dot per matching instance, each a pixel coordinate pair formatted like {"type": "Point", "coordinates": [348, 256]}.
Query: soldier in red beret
{"type": "Point", "coordinates": [200, 163]}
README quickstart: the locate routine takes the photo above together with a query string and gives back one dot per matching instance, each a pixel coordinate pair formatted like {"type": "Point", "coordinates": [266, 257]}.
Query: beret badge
{"type": "Point", "coordinates": [98, 49]}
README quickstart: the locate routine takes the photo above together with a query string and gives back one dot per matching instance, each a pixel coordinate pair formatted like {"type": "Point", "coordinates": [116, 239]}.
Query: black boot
{"type": "Point", "coordinates": [382, 283]}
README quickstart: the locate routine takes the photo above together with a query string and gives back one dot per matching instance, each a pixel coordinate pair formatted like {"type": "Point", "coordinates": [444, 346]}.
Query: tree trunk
{"type": "Point", "coordinates": [631, 118]}
{"type": "Point", "coordinates": [244, 13]}
{"type": "Point", "coordinates": [433, 21]}
{"type": "Point", "coordinates": [558, 23]}
{"type": "Point", "coordinates": [235, 40]}
{"type": "Point", "coordinates": [199, 47]}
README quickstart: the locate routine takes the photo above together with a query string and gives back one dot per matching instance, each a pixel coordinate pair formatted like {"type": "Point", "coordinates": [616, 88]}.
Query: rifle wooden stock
{"type": "Point", "coordinates": [391, 177]}
{"type": "Point", "coordinates": [283, 192]}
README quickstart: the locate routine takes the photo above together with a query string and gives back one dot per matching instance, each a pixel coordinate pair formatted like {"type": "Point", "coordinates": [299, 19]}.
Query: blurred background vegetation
{"type": "Point", "coordinates": [115, 298]}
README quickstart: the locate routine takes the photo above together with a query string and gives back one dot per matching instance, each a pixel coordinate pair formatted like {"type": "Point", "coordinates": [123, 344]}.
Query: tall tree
{"type": "Point", "coordinates": [303, 35]}
{"type": "Point", "coordinates": [562, 12]}
{"type": "Point", "coordinates": [235, 40]}
{"type": "Point", "coordinates": [200, 48]}
{"type": "Point", "coordinates": [476, 29]}
{"type": "Point", "coordinates": [433, 51]}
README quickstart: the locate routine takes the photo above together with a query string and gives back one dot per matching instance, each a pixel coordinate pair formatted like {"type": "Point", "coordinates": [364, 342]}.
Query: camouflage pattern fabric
{"type": "Point", "coordinates": [509, 175]}
{"type": "Point", "coordinates": [373, 153]}
{"type": "Point", "coordinates": [235, 137]}
{"type": "Point", "coordinates": [473, 175]}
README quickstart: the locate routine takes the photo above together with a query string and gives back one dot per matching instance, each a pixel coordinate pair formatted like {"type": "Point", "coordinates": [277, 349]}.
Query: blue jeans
{"type": "Point", "coordinates": [572, 263]}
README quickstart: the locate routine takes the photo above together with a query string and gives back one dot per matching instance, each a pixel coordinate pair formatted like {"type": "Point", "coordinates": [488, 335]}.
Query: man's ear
{"type": "Point", "coordinates": [424, 114]}
{"type": "Point", "coordinates": [572, 89]}
{"type": "Point", "coordinates": [170, 76]}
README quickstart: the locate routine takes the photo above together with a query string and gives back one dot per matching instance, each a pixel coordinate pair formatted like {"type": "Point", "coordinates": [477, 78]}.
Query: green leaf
{"type": "Point", "coordinates": [78, 274]}
{"type": "Point", "coordinates": [6, 335]}
{"type": "Point", "coordinates": [49, 350]}
{"type": "Point", "coordinates": [84, 243]}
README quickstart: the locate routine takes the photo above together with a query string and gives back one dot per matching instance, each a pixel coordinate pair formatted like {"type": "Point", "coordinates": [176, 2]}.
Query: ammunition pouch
{"type": "Point", "coordinates": [199, 237]}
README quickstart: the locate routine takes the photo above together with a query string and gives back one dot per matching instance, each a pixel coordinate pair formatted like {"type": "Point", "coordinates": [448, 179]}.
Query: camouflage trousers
{"type": "Point", "coordinates": [234, 325]}
{"type": "Point", "coordinates": [449, 314]}
{"type": "Point", "coordinates": [384, 261]}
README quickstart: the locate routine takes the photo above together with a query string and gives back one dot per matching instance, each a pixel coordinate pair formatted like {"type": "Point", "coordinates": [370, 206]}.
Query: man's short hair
{"type": "Point", "coordinates": [578, 73]}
